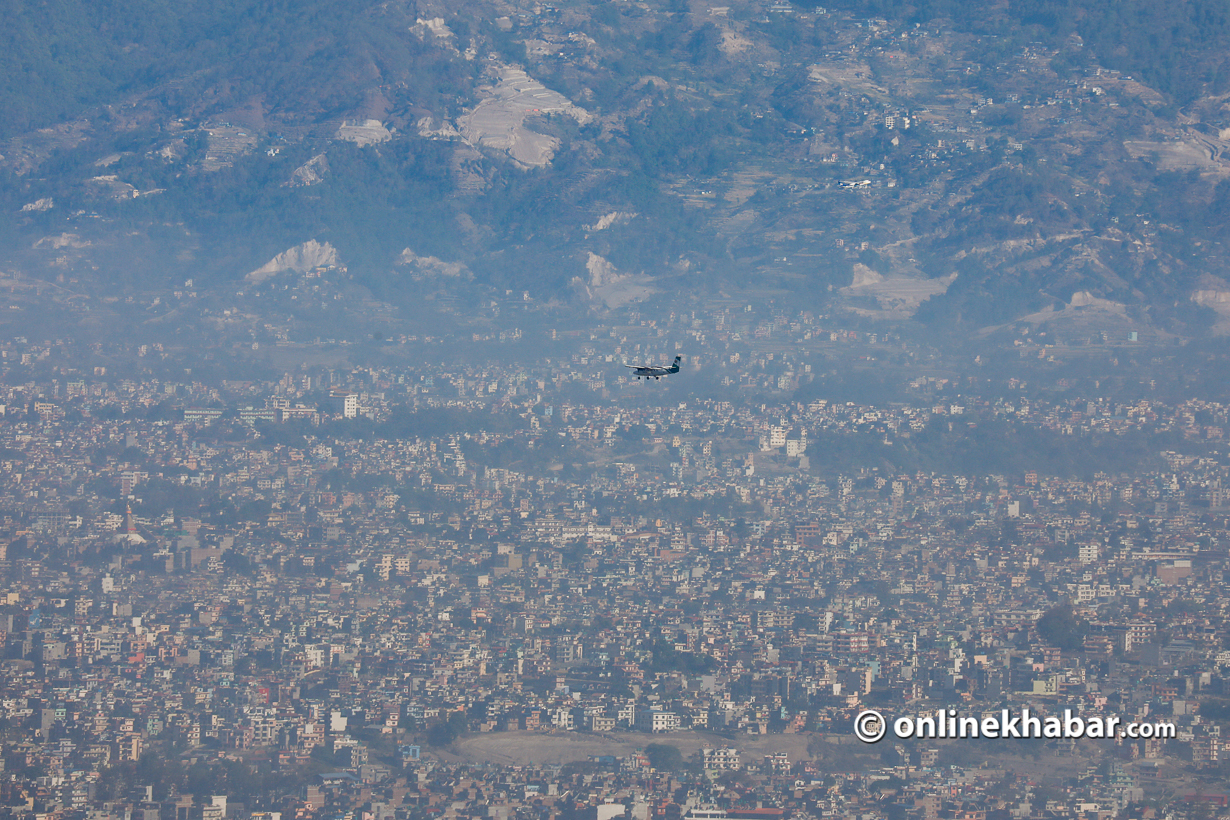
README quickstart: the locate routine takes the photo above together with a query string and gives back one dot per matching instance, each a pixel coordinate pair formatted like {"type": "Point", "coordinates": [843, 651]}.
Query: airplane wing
{"type": "Point", "coordinates": [649, 369]}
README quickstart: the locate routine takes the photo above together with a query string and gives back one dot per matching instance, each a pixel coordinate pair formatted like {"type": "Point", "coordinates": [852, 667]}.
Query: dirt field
{"type": "Point", "coordinates": [563, 747]}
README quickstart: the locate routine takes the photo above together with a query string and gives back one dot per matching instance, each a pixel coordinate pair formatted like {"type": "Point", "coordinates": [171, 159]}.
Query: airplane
{"type": "Point", "coordinates": [657, 371]}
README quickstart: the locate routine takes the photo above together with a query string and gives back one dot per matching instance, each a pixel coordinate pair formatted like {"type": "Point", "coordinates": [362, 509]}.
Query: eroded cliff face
{"type": "Point", "coordinates": [301, 258]}
{"type": "Point", "coordinates": [427, 268]}
{"type": "Point", "coordinates": [1213, 292]}
{"type": "Point", "coordinates": [607, 288]}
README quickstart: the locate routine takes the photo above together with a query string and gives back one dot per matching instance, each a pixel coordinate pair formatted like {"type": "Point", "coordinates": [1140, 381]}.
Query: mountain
{"type": "Point", "coordinates": [943, 164]}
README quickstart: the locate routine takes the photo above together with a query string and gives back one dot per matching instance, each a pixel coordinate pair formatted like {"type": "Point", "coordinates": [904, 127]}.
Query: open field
{"type": "Point", "coordinates": [562, 747]}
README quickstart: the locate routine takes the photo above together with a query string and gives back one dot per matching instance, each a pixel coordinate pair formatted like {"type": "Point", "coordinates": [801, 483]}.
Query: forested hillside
{"type": "Point", "coordinates": [960, 165]}
{"type": "Point", "coordinates": [61, 57]}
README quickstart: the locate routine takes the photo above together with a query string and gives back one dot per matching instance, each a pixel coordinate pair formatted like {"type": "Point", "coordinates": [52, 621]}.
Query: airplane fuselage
{"type": "Point", "coordinates": [655, 372]}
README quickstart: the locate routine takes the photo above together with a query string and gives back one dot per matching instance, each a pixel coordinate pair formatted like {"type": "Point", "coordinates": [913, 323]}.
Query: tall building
{"type": "Point", "coordinates": [344, 403]}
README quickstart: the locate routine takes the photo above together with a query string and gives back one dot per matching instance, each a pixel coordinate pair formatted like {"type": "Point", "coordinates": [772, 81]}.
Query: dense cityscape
{"type": "Point", "coordinates": [549, 589]}
{"type": "Point", "coordinates": [647, 410]}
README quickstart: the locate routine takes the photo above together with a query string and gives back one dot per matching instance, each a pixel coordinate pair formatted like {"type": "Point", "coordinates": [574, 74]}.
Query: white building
{"type": "Point", "coordinates": [723, 759]}
{"type": "Point", "coordinates": [657, 721]}
{"type": "Point", "coordinates": [344, 403]}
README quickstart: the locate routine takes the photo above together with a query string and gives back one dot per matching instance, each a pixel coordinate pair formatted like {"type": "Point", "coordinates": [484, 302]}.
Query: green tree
{"type": "Point", "coordinates": [1060, 627]}
{"type": "Point", "coordinates": [664, 757]}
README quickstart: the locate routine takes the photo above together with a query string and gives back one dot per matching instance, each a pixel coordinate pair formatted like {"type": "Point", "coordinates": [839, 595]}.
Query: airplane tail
{"type": "Point", "coordinates": [674, 368]}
